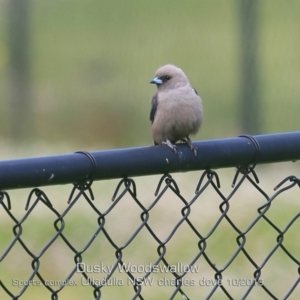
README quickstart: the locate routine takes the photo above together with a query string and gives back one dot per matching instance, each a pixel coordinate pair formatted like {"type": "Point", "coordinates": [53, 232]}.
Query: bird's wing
{"type": "Point", "coordinates": [154, 104]}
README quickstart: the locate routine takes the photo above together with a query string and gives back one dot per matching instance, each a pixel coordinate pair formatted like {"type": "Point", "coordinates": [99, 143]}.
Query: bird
{"type": "Point", "coordinates": [176, 108]}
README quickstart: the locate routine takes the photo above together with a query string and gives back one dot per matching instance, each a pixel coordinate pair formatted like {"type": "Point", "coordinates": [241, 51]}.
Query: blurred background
{"type": "Point", "coordinates": [76, 73]}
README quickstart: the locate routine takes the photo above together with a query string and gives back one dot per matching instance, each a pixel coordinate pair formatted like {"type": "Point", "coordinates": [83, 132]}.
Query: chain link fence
{"type": "Point", "coordinates": [158, 244]}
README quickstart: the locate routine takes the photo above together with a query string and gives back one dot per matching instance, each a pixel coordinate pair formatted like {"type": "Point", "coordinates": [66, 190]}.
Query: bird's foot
{"type": "Point", "coordinates": [190, 144]}
{"type": "Point", "coordinates": [170, 145]}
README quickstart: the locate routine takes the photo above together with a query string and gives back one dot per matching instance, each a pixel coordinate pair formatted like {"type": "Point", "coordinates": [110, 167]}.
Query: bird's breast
{"type": "Point", "coordinates": [178, 115]}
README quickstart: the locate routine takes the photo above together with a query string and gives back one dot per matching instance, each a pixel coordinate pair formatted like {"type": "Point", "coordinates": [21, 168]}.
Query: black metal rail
{"type": "Point", "coordinates": [212, 154]}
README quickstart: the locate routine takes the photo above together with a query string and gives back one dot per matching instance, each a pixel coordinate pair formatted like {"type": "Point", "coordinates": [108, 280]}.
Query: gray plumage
{"type": "Point", "coordinates": [176, 108]}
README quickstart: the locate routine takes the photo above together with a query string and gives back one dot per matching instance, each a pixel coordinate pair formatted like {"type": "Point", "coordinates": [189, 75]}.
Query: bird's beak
{"type": "Point", "coordinates": [156, 80]}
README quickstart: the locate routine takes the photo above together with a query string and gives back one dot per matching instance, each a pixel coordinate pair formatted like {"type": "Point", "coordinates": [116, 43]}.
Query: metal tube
{"type": "Point", "coordinates": [77, 167]}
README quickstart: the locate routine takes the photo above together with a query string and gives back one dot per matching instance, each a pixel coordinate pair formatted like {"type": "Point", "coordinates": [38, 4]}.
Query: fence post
{"type": "Point", "coordinates": [251, 110]}
{"type": "Point", "coordinates": [20, 104]}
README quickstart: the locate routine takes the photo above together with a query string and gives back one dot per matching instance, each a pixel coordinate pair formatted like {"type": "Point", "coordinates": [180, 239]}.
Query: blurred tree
{"type": "Point", "coordinates": [19, 70]}
{"type": "Point", "coordinates": [251, 113]}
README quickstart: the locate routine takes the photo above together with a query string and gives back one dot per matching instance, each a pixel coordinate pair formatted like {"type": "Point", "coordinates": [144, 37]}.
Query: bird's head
{"type": "Point", "coordinates": [169, 77]}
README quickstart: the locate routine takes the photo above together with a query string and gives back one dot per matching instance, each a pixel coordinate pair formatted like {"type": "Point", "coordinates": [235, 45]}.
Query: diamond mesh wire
{"type": "Point", "coordinates": [156, 249]}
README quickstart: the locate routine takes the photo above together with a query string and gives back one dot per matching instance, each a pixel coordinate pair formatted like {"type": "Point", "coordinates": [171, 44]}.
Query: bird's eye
{"type": "Point", "coordinates": [168, 77]}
